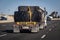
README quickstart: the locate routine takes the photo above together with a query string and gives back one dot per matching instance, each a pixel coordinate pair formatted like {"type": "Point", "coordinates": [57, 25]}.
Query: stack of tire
{"type": "Point", "coordinates": [22, 14]}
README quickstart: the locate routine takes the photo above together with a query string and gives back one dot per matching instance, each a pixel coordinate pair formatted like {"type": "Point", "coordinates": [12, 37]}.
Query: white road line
{"type": "Point", "coordinates": [43, 36]}
{"type": "Point", "coordinates": [3, 35]}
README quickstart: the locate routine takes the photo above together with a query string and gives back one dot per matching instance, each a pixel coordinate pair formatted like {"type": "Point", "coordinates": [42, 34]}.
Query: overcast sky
{"type": "Point", "coordinates": [9, 6]}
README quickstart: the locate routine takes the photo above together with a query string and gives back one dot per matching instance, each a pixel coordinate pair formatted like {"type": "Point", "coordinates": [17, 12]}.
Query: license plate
{"type": "Point", "coordinates": [25, 27]}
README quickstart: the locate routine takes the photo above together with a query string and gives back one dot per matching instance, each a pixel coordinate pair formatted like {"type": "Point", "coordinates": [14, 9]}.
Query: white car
{"type": "Point", "coordinates": [49, 18]}
{"type": "Point", "coordinates": [3, 18]}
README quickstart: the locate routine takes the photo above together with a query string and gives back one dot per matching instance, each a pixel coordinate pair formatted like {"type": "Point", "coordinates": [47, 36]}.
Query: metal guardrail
{"type": "Point", "coordinates": [55, 19]}
{"type": "Point", "coordinates": [6, 21]}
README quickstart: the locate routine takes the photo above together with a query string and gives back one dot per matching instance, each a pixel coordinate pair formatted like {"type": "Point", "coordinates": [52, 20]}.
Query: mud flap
{"type": "Point", "coordinates": [41, 27]}
{"type": "Point", "coordinates": [35, 29]}
{"type": "Point", "coordinates": [16, 28]}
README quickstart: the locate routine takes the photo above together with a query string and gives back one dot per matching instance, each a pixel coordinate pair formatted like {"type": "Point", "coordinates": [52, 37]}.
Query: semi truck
{"type": "Point", "coordinates": [30, 18]}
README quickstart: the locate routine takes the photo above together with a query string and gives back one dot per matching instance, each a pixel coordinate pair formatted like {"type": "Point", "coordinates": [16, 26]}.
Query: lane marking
{"type": "Point", "coordinates": [3, 35]}
{"type": "Point", "coordinates": [43, 36]}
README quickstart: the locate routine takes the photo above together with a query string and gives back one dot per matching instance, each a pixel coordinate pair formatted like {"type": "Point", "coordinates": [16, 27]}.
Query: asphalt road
{"type": "Point", "coordinates": [51, 32]}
